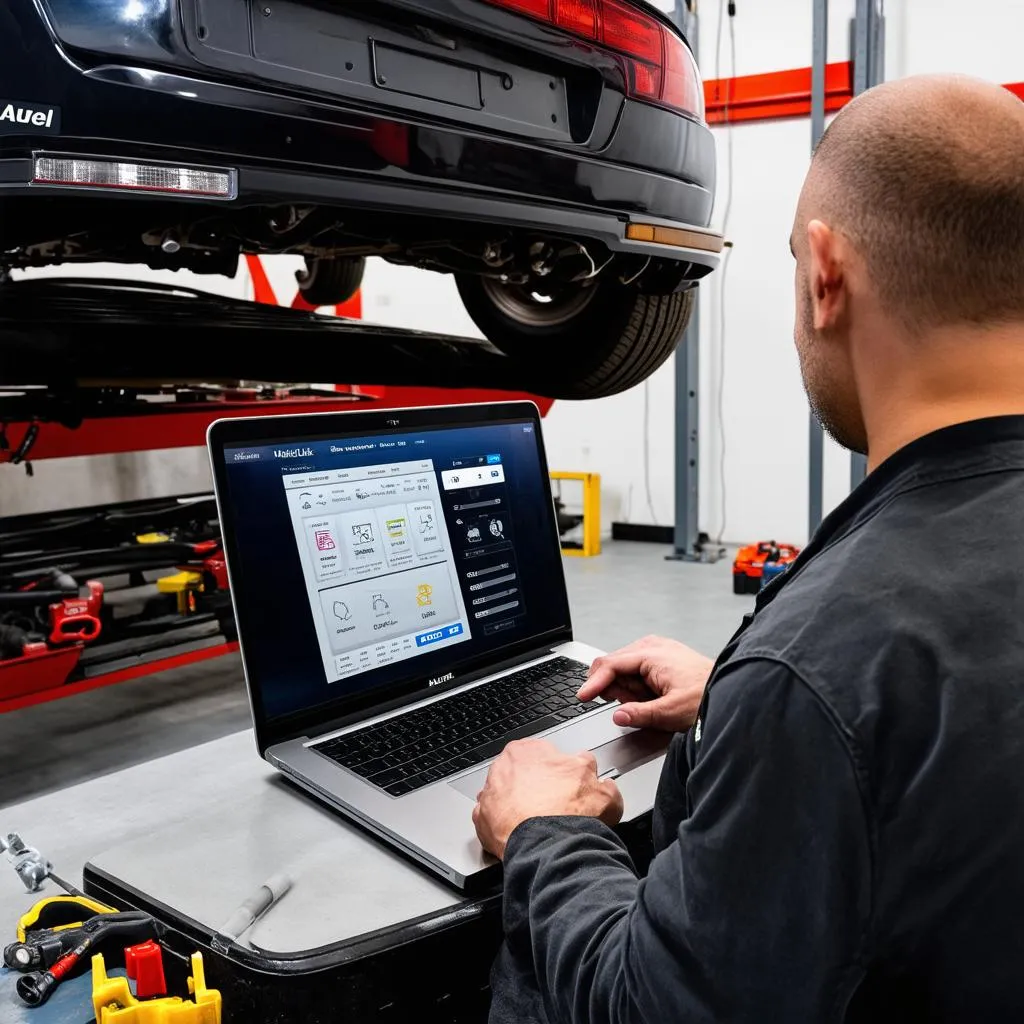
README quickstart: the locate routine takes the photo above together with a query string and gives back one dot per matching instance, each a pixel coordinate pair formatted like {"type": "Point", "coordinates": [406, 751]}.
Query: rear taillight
{"type": "Point", "coordinates": [660, 68]}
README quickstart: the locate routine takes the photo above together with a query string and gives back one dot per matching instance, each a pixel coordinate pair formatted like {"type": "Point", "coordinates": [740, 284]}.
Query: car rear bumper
{"type": "Point", "coordinates": [637, 163]}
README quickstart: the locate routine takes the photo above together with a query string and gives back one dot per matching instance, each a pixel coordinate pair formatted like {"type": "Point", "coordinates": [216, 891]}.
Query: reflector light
{"type": "Point", "coordinates": [681, 237]}
{"type": "Point", "coordinates": [77, 172]}
{"type": "Point", "coordinates": [659, 67]}
{"type": "Point", "coordinates": [579, 16]}
{"type": "Point", "coordinates": [646, 80]}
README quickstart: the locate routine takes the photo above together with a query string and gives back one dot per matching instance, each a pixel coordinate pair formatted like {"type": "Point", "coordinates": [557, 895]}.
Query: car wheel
{"type": "Point", "coordinates": [578, 340]}
{"type": "Point", "coordinates": [329, 281]}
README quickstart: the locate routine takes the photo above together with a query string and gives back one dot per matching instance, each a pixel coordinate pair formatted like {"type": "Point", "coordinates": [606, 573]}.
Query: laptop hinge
{"type": "Point", "coordinates": [460, 680]}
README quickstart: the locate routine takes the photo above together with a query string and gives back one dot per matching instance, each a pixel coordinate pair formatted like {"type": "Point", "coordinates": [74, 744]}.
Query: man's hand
{"type": "Point", "coordinates": [533, 778]}
{"type": "Point", "coordinates": [659, 683]}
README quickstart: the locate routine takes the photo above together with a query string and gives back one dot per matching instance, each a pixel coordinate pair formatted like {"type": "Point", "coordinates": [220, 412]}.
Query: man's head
{"type": "Point", "coordinates": [911, 222]}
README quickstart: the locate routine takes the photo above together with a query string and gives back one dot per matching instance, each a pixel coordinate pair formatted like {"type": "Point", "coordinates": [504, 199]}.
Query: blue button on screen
{"type": "Point", "coordinates": [438, 634]}
{"type": "Point", "coordinates": [493, 460]}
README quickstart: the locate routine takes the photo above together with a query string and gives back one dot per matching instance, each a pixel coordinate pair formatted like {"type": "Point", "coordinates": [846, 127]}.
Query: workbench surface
{"type": "Point", "coordinates": [201, 830]}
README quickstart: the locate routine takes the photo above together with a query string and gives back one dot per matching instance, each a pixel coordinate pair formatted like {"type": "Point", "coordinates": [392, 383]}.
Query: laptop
{"type": "Point", "coordinates": [402, 615]}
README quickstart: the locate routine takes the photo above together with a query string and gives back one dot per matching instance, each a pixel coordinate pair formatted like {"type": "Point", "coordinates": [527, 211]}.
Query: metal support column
{"type": "Point", "coordinates": [868, 70]}
{"type": "Point", "coordinates": [815, 446]}
{"type": "Point", "coordinates": [686, 539]}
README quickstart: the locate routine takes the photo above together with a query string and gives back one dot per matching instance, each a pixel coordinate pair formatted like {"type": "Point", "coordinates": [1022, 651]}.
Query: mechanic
{"type": "Point", "coordinates": [841, 831]}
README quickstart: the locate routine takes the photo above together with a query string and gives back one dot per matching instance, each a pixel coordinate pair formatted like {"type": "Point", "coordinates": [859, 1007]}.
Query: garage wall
{"type": "Point", "coordinates": [763, 410]}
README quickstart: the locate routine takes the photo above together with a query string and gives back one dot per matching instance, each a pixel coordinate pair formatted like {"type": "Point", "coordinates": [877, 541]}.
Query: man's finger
{"type": "Point", "coordinates": [626, 691]}
{"type": "Point", "coordinates": [606, 669]}
{"type": "Point", "coordinates": [476, 812]}
{"type": "Point", "coordinates": [650, 714]}
{"type": "Point", "coordinates": [587, 757]}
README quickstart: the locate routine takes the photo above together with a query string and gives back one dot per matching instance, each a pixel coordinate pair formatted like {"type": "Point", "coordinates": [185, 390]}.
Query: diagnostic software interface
{"type": "Point", "coordinates": [407, 544]}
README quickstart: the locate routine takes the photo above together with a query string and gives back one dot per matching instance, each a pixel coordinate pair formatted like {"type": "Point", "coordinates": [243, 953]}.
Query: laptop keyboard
{"type": "Point", "coordinates": [409, 751]}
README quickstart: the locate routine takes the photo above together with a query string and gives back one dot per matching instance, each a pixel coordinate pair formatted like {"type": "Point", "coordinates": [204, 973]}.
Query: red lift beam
{"type": "Point", "coordinates": [122, 675]}
{"type": "Point", "coordinates": [185, 426]}
{"type": "Point", "coordinates": [774, 95]}
{"type": "Point", "coordinates": [782, 94]}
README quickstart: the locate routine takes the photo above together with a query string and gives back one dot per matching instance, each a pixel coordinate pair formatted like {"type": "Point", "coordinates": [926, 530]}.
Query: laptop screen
{"type": "Point", "coordinates": [370, 564]}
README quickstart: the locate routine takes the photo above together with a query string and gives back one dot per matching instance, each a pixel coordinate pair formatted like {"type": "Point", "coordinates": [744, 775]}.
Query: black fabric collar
{"type": "Point", "coordinates": [940, 455]}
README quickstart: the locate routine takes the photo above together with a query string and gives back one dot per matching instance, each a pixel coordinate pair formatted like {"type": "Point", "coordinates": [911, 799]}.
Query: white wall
{"type": "Point", "coordinates": [764, 409]}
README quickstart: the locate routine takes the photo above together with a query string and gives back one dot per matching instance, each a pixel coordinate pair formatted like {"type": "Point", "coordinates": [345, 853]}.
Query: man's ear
{"type": "Point", "coordinates": [827, 276]}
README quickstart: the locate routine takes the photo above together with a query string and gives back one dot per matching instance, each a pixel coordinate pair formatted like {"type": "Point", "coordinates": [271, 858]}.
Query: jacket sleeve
{"type": "Point", "coordinates": [757, 911]}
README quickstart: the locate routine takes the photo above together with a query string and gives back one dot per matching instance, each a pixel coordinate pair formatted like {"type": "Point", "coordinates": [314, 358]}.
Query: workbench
{"type": "Point", "coordinates": [361, 929]}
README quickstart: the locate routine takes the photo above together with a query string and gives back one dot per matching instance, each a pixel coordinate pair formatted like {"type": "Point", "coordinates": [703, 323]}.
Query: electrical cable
{"type": "Point", "coordinates": [727, 8]}
{"type": "Point", "coordinates": [647, 451]}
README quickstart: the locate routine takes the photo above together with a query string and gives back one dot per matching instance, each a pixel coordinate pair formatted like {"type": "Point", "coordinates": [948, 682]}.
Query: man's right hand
{"type": "Point", "coordinates": [658, 682]}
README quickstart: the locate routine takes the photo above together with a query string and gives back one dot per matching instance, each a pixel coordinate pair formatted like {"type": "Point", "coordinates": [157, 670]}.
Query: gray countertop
{"type": "Point", "coordinates": [202, 829]}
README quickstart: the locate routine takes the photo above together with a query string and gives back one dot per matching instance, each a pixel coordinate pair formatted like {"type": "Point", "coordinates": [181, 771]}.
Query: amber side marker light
{"type": "Point", "coordinates": [682, 238]}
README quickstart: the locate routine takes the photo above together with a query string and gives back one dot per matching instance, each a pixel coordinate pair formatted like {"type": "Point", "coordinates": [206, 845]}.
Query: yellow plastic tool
{"type": "Point", "coordinates": [184, 584]}
{"type": "Point", "coordinates": [58, 913]}
{"type": "Point", "coordinates": [152, 538]}
{"type": "Point", "coordinates": [113, 1002]}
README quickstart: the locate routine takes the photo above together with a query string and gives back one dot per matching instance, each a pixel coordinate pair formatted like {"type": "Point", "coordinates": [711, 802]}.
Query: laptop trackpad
{"type": "Point", "coordinates": [616, 757]}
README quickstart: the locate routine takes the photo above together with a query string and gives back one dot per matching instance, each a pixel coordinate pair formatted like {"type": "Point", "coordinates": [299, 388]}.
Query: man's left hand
{"type": "Point", "coordinates": [533, 778]}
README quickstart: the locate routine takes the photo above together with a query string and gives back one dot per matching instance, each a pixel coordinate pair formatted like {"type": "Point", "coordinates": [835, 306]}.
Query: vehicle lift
{"type": "Point", "coordinates": [61, 632]}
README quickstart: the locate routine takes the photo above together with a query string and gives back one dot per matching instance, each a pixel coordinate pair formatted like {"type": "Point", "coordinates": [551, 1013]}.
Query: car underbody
{"type": "Point", "coordinates": [176, 236]}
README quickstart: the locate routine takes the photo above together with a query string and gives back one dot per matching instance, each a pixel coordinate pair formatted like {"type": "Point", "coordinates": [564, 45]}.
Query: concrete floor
{"type": "Point", "coordinates": [627, 592]}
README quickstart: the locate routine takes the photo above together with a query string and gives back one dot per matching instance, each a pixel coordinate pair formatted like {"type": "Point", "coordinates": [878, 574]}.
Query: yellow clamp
{"type": "Point", "coordinates": [114, 1003]}
{"type": "Point", "coordinates": [58, 913]}
{"type": "Point", "coordinates": [184, 584]}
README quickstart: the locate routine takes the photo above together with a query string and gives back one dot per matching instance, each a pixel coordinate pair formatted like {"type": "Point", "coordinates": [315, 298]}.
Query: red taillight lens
{"type": "Point", "coordinates": [535, 8]}
{"type": "Point", "coordinates": [626, 29]}
{"type": "Point", "coordinates": [579, 16]}
{"type": "Point", "coordinates": [659, 67]}
{"type": "Point", "coordinates": [683, 87]}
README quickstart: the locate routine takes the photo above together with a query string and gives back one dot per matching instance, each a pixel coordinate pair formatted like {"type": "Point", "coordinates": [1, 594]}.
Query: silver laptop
{"type": "Point", "coordinates": [402, 614]}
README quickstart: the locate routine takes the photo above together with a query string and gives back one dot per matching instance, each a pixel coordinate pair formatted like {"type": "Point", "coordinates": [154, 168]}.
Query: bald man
{"type": "Point", "coordinates": [841, 815]}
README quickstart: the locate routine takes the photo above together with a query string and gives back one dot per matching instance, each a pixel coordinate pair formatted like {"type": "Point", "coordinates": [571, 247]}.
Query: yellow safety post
{"type": "Point", "coordinates": [591, 514]}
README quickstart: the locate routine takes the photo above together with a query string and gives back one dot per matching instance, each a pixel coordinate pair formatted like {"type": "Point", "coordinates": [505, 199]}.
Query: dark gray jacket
{"type": "Point", "coordinates": [842, 831]}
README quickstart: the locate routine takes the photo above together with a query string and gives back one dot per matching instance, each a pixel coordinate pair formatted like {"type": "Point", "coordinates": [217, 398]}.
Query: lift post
{"type": "Point", "coordinates": [688, 546]}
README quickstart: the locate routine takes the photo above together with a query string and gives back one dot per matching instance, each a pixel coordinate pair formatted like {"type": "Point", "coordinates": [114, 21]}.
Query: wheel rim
{"type": "Point", "coordinates": [526, 305]}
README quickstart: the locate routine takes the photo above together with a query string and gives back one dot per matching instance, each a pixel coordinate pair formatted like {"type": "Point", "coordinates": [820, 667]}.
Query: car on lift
{"type": "Point", "coordinates": [551, 154]}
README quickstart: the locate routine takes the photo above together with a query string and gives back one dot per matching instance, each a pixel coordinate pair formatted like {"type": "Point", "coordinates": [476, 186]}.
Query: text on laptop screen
{"type": "Point", "coordinates": [390, 558]}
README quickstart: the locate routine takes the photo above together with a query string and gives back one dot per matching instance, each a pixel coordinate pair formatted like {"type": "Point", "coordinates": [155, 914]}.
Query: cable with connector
{"type": "Point", "coordinates": [727, 8]}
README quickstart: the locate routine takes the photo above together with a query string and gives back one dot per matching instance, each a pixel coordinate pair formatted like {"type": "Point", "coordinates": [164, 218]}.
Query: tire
{"type": "Point", "coordinates": [330, 281]}
{"type": "Point", "coordinates": [583, 340]}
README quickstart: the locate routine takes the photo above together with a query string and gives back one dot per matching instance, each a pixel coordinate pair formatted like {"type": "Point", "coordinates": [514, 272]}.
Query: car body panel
{"type": "Point", "coordinates": [128, 84]}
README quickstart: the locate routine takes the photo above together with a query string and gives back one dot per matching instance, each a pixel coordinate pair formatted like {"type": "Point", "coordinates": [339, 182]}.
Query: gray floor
{"type": "Point", "coordinates": [625, 593]}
